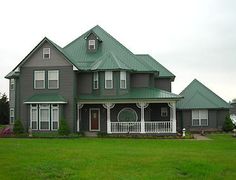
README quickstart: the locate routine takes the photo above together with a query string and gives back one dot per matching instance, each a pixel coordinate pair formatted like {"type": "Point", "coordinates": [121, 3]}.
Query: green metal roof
{"type": "Point", "coordinates": [109, 62]}
{"type": "Point", "coordinates": [108, 47]}
{"type": "Point", "coordinates": [150, 61]}
{"type": "Point", "coordinates": [46, 98]}
{"type": "Point", "coordinates": [135, 94]}
{"type": "Point", "coordinates": [198, 96]}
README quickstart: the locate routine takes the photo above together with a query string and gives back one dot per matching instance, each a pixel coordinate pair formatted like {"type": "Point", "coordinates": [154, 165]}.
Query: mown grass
{"type": "Point", "coordinates": [110, 158]}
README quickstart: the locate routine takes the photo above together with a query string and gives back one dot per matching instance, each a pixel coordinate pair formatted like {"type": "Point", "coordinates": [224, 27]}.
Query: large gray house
{"type": "Point", "coordinates": [96, 84]}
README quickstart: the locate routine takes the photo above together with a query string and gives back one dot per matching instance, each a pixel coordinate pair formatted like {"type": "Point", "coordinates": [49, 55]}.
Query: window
{"type": "Point", "coordinates": [108, 80]}
{"type": "Point", "coordinates": [91, 44]}
{"type": "Point", "coordinates": [123, 80]}
{"type": "Point", "coordinates": [46, 53]}
{"type": "Point", "coordinates": [95, 80]}
{"type": "Point", "coordinates": [34, 116]}
{"type": "Point", "coordinates": [39, 79]}
{"type": "Point", "coordinates": [44, 117]}
{"type": "Point", "coordinates": [164, 112]}
{"type": "Point", "coordinates": [127, 115]}
{"type": "Point", "coordinates": [55, 117]}
{"type": "Point", "coordinates": [12, 115]}
{"type": "Point", "coordinates": [53, 79]}
{"type": "Point", "coordinates": [12, 84]}
{"type": "Point", "coordinates": [200, 117]}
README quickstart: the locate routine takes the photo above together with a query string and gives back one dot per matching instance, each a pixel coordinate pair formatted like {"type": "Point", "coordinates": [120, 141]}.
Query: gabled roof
{"type": "Point", "coordinates": [198, 96]}
{"type": "Point", "coordinates": [46, 98]}
{"type": "Point", "coordinates": [148, 94]}
{"type": "Point", "coordinates": [12, 73]}
{"type": "Point", "coordinates": [84, 60]}
{"type": "Point", "coordinates": [149, 60]}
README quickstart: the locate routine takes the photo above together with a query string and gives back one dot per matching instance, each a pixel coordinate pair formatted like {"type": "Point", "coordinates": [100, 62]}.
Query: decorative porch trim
{"type": "Point", "coordinates": [79, 106]}
{"type": "Point", "coordinates": [108, 106]}
{"type": "Point", "coordinates": [142, 106]}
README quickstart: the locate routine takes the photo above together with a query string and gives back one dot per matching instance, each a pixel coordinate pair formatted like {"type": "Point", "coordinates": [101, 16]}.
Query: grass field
{"type": "Point", "coordinates": [107, 158]}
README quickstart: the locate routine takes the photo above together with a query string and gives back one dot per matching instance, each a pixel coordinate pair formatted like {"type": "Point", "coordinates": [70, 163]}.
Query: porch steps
{"type": "Point", "coordinates": [90, 134]}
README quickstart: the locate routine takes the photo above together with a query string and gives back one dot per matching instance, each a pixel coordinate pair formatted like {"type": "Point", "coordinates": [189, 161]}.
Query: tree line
{"type": "Point", "coordinates": [4, 109]}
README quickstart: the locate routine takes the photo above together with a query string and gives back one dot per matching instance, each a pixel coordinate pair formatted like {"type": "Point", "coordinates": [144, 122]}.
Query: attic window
{"type": "Point", "coordinates": [91, 44]}
{"type": "Point", "coordinates": [46, 53]}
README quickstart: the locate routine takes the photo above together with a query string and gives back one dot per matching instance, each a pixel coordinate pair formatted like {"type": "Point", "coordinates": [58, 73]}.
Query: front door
{"type": "Point", "coordinates": [94, 120]}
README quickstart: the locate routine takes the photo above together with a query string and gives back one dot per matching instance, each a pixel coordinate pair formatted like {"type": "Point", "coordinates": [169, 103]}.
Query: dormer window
{"type": "Point", "coordinates": [91, 44]}
{"type": "Point", "coordinates": [46, 53]}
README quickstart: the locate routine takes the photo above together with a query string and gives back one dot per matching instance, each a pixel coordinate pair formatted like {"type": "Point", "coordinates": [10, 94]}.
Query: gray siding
{"type": "Point", "coordinates": [216, 119]}
{"type": "Point", "coordinates": [163, 83]}
{"type": "Point", "coordinates": [140, 80]}
{"type": "Point", "coordinates": [56, 58]}
{"type": "Point", "coordinates": [66, 89]}
{"type": "Point", "coordinates": [84, 83]}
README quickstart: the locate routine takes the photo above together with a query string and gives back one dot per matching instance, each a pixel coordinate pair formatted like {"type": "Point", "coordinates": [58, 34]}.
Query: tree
{"type": "Point", "coordinates": [228, 124]}
{"type": "Point", "coordinates": [4, 109]}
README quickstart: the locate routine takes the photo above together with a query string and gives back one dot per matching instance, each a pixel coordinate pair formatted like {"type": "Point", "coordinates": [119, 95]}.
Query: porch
{"type": "Point", "coordinates": [142, 117]}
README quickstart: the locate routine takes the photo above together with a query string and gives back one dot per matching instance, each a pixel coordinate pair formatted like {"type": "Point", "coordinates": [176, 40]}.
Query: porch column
{"type": "Point", "coordinates": [142, 106]}
{"type": "Point", "coordinates": [79, 106]}
{"type": "Point", "coordinates": [172, 105]}
{"type": "Point", "coordinates": [108, 106]}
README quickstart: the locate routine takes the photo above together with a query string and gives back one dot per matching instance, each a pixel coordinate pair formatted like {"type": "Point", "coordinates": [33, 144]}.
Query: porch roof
{"type": "Point", "coordinates": [136, 94]}
{"type": "Point", "coordinates": [45, 98]}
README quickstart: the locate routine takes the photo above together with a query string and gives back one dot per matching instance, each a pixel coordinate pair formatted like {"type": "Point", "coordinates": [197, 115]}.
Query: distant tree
{"type": "Point", "coordinates": [4, 109]}
{"type": "Point", "coordinates": [228, 124]}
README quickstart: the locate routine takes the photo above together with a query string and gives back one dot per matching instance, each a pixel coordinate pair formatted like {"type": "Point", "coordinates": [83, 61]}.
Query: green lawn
{"type": "Point", "coordinates": [107, 158]}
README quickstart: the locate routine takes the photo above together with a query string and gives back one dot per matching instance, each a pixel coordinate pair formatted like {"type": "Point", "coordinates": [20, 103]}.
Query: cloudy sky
{"type": "Point", "coordinates": [192, 38]}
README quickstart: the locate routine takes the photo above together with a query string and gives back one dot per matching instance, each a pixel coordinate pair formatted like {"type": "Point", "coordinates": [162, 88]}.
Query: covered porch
{"type": "Point", "coordinates": [142, 110]}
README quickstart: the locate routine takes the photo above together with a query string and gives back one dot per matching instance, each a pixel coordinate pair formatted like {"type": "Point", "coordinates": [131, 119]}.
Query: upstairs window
{"type": "Point", "coordinates": [123, 80]}
{"type": "Point", "coordinates": [108, 80]}
{"type": "Point", "coordinates": [53, 79]}
{"type": "Point", "coordinates": [91, 44]}
{"type": "Point", "coordinates": [12, 84]}
{"type": "Point", "coordinates": [95, 80]}
{"type": "Point", "coordinates": [46, 53]}
{"type": "Point", "coordinates": [164, 112]}
{"type": "Point", "coordinates": [200, 117]}
{"type": "Point", "coordinates": [39, 79]}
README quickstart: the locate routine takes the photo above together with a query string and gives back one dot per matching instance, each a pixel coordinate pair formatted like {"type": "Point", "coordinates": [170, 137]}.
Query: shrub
{"type": "Point", "coordinates": [18, 127]}
{"type": "Point", "coordinates": [228, 124]}
{"type": "Point", "coordinates": [63, 128]}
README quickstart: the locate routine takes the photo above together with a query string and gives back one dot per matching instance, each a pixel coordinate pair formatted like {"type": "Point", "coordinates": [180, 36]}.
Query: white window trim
{"type": "Point", "coordinates": [54, 107]}
{"type": "Point", "coordinates": [12, 84]}
{"type": "Point", "coordinates": [200, 118]}
{"type": "Point", "coordinates": [46, 51]}
{"type": "Point", "coordinates": [44, 107]}
{"type": "Point", "coordinates": [90, 119]}
{"type": "Point", "coordinates": [53, 79]}
{"type": "Point", "coordinates": [91, 42]}
{"type": "Point", "coordinates": [12, 115]}
{"type": "Point", "coordinates": [164, 112]}
{"type": "Point", "coordinates": [39, 79]}
{"type": "Point", "coordinates": [127, 108]}
{"type": "Point", "coordinates": [95, 79]}
{"type": "Point", "coordinates": [123, 77]}
{"type": "Point", "coordinates": [108, 78]}
{"type": "Point", "coordinates": [31, 115]}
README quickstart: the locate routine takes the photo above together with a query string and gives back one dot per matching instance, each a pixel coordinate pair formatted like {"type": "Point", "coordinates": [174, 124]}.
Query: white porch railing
{"type": "Point", "coordinates": [125, 127]}
{"type": "Point", "coordinates": [135, 127]}
{"type": "Point", "coordinates": [158, 127]}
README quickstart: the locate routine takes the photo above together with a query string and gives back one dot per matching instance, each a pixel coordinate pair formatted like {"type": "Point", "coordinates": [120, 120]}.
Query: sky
{"type": "Point", "coordinates": [191, 38]}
